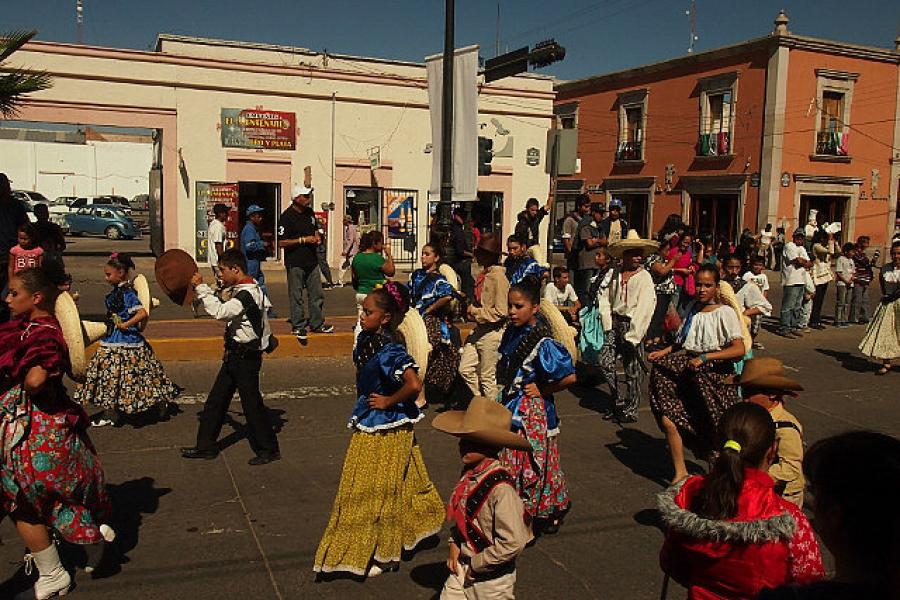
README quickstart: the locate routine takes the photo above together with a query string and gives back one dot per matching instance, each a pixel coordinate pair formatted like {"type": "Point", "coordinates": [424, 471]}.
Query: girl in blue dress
{"type": "Point", "coordinates": [432, 295]}
{"type": "Point", "coordinates": [532, 367]}
{"type": "Point", "coordinates": [385, 502]}
{"type": "Point", "coordinates": [519, 265]}
{"type": "Point", "coordinates": [124, 377]}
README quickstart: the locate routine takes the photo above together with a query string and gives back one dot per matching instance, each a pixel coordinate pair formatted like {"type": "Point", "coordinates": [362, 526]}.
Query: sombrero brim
{"type": "Point", "coordinates": [726, 293]}
{"type": "Point", "coordinates": [537, 253]}
{"type": "Point", "coordinates": [647, 247]}
{"type": "Point", "coordinates": [415, 335]}
{"type": "Point", "coordinates": [70, 322]}
{"type": "Point", "coordinates": [452, 422]}
{"type": "Point", "coordinates": [562, 331]}
{"type": "Point", "coordinates": [142, 288]}
{"type": "Point", "coordinates": [773, 382]}
{"type": "Point", "coordinates": [173, 274]}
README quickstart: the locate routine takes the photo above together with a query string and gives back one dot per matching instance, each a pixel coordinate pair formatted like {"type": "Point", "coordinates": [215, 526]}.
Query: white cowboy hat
{"type": "Point", "coordinates": [484, 421]}
{"type": "Point", "coordinates": [560, 328]}
{"type": "Point", "coordinates": [77, 333]}
{"type": "Point", "coordinates": [632, 241]}
{"type": "Point", "coordinates": [142, 288]}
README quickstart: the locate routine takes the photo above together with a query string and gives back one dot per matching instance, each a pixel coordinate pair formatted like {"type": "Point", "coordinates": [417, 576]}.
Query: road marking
{"type": "Point", "coordinates": [298, 393]}
{"type": "Point", "coordinates": [252, 529]}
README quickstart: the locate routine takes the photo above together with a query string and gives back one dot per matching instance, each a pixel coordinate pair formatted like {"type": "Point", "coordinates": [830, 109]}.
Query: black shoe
{"type": "Point", "coordinates": [198, 453]}
{"type": "Point", "coordinates": [818, 326]}
{"type": "Point", "coordinates": [263, 459]}
{"type": "Point", "coordinates": [300, 334]}
{"type": "Point", "coordinates": [622, 418]}
{"type": "Point", "coordinates": [325, 328]}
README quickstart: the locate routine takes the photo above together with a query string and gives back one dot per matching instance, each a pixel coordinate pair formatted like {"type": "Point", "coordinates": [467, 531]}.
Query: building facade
{"type": "Point", "coordinates": [242, 123]}
{"type": "Point", "coordinates": [743, 136]}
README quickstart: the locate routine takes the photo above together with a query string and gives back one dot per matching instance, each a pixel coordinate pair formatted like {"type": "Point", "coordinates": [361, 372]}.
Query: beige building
{"type": "Point", "coordinates": [262, 118]}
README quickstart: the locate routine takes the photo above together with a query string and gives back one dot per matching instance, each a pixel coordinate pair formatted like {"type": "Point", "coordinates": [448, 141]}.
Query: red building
{"type": "Point", "coordinates": [741, 136]}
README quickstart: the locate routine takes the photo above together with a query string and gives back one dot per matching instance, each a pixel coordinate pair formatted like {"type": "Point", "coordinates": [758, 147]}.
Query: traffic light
{"type": "Point", "coordinates": [485, 154]}
{"type": "Point", "coordinates": [546, 53]}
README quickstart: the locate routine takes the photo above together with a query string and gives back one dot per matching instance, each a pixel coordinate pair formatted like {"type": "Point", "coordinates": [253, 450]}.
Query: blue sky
{"type": "Point", "coordinates": [600, 36]}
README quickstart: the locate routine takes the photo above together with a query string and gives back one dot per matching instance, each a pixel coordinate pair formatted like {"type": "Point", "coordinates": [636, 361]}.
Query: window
{"type": "Point", "coordinates": [715, 135]}
{"type": "Point", "coordinates": [718, 96]}
{"type": "Point", "coordinates": [833, 97]}
{"type": "Point", "coordinates": [568, 115]}
{"type": "Point", "coordinates": [632, 122]}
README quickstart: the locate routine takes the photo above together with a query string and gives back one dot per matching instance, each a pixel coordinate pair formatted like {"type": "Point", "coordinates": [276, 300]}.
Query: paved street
{"type": "Point", "coordinates": [222, 529]}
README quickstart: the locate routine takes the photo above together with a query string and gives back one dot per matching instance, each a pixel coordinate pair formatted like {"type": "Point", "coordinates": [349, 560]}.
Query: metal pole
{"type": "Point", "coordinates": [443, 212]}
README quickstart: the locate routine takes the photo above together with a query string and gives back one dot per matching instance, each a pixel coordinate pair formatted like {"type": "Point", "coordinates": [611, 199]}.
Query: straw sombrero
{"type": "Point", "coordinates": [632, 241]}
{"type": "Point", "coordinates": [484, 421]}
{"type": "Point", "coordinates": [142, 288]}
{"type": "Point", "coordinates": [767, 373]}
{"type": "Point", "coordinates": [537, 253]}
{"type": "Point", "coordinates": [562, 331]}
{"type": "Point", "coordinates": [77, 333]}
{"type": "Point", "coordinates": [174, 270]}
{"type": "Point", "coordinates": [727, 295]}
{"type": "Point", "coordinates": [416, 337]}
{"type": "Point", "coordinates": [453, 279]}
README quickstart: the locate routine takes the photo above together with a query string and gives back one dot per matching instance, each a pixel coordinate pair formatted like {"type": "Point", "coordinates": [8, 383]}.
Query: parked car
{"type": "Point", "coordinates": [140, 202]}
{"type": "Point", "coordinates": [117, 201]}
{"type": "Point", "coordinates": [102, 219]}
{"type": "Point", "coordinates": [30, 198]}
{"type": "Point", "coordinates": [63, 201]}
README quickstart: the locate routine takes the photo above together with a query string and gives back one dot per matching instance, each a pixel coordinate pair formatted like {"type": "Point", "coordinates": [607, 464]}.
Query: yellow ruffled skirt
{"type": "Point", "coordinates": [385, 503]}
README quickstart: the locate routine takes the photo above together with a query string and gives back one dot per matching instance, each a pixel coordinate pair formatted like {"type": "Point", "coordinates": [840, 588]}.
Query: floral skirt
{"type": "Point", "coordinates": [130, 379]}
{"type": "Point", "coordinates": [385, 503]}
{"type": "Point", "coordinates": [49, 465]}
{"type": "Point", "coordinates": [694, 400]}
{"type": "Point", "coordinates": [443, 360]}
{"type": "Point", "coordinates": [882, 338]}
{"type": "Point", "coordinates": [538, 477]}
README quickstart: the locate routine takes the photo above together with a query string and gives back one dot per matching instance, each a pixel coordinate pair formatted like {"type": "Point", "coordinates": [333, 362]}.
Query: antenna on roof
{"type": "Point", "coordinates": [692, 13]}
{"type": "Point", "coordinates": [79, 21]}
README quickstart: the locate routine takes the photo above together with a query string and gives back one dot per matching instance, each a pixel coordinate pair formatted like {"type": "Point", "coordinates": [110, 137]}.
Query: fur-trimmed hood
{"type": "Point", "coordinates": [758, 520]}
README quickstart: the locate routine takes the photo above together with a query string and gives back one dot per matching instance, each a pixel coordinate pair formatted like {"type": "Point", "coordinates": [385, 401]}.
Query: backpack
{"type": "Point", "coordinates": [254, 315]}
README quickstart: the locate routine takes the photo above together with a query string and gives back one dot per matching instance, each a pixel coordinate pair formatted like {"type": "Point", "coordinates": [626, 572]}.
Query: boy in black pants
{"type": "Point", "coordinates": [247, 336]}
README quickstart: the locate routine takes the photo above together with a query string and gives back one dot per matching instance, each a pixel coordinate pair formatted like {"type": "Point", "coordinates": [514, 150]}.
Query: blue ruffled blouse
{"type": "Point", "coordinates": [426, 289]}
{"type": "Point", "coordinates": [382, 374]}
{"type": "Point", "coordinates": [547, 363]}
{"type": "Point", "coordinates": [518, 269]}
{"type": "Point", "coordinates": [122, 302]}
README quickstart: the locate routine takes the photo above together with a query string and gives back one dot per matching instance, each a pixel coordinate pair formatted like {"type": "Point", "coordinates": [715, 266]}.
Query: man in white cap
{"type": "Point", "coordinates": [299, 235]}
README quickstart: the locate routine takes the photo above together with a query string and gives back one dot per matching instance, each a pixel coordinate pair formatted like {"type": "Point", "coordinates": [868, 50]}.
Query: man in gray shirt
{"type": "Point", "coordinates": [589, 242]}
{"type": "Point", "coordinates": [570, 230]}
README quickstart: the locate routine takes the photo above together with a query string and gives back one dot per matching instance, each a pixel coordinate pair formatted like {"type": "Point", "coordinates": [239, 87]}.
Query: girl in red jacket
{"type": "Point", "coordinates": [729, 535]}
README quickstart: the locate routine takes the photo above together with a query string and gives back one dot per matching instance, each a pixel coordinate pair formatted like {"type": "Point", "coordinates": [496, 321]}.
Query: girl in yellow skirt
{"type": "Point", "coordinates": [385, 502]}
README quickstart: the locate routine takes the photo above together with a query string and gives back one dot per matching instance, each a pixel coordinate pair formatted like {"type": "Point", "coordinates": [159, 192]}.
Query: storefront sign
{"type": "Point", "coordinates": [400, 206]}
{"type": "Point", "coordinates": [533, 157]}
{"type": "Point", "coordinates": [208, 195]}
{"type": "Point", "coordinates": [259, 129]}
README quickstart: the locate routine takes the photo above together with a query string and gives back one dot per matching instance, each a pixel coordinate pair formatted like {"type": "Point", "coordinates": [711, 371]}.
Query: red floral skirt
{"type": "Point", "coordinates": [50, 465]}
{"type": "Point", "coordinates": [538, 477]}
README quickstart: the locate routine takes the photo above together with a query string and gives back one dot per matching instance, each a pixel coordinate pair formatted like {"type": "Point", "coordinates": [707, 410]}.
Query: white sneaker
{"type": "Point", "coordinates": [54, 579]}
{"type": "Point", "coordinates": [101, 423]}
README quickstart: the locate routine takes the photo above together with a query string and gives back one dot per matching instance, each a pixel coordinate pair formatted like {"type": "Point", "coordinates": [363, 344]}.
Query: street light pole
{"type": "Point", "coordinates": [443, 211]}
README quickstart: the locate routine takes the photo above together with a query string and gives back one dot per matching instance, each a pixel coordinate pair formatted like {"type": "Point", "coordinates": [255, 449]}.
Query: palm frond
{"type": "Point", "coordinates": [15, 84]}
{"type": "Point", "coordinates": [12, 41]}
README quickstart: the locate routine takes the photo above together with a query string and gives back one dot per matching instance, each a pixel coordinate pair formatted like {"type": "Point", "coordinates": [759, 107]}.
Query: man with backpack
{"type": "Point", "coordinates": [587, 243]}
{"type": "Point", "coordinates": [570, 230]}
{"type": "Point", "coordinates": [247, 337]}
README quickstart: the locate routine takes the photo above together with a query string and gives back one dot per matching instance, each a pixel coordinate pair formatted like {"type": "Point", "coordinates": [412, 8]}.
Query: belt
{"type": "Point", "coordinates": [623, 318]}
{"type": "Point", "coordinates": [502, 570]}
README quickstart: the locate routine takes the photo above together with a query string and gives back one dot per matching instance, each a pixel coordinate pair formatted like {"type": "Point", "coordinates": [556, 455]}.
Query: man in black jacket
{"type": "Point", "coordinates": [461, 251]}
{"type": "Point", "coordinates": [529, 221]}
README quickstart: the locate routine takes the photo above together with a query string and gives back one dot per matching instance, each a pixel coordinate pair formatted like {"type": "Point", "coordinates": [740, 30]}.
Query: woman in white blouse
{"type": "Point", "coordinates": [691, 382]}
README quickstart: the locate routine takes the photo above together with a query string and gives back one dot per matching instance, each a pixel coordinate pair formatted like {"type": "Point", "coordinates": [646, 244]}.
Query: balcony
{"type": "Point", "coordinates": [630, 152]}
{"type": "Point", "coordinates": [714, 144]}
{"type": "Point", "coordinates": [831, 146]}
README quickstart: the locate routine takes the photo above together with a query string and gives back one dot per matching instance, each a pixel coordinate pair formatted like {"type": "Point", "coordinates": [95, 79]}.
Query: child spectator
{"type": "Point", "coordinates": [26, 254]}
{"type": "Point", "coordinates": [845, 274]}
{"type": "Point", "coordinates": [763, 382]}
{"type": "Point", "coordinates": [562, 294]}
{"type": "Point", "coordinates": [487, 517]}
{"type": "Point", "coordinates": [757, 276]}
{"type": "Point", "coordinates": [859, 306]}
{"type": "Point", "coordinates": [806, 305]}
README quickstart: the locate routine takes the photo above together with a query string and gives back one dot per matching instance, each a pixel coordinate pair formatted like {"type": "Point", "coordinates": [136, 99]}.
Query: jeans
{"type": "Point", "coordinates": [842, 303]}
{"type": "Point", "coordinates": [859, 305]}
{"type": "Point", "coordinates": [583, 283]}
{"type": "Point", "coordinates": [309, 278]}
{"type": "Point", "coordinates": [241, 374]}
{"type": "Point", "coordinates": [815, 317]}
{"type": "Point", "coordinates": [791, 306]}
{"type": "Point", "coordinates": [323, 264]}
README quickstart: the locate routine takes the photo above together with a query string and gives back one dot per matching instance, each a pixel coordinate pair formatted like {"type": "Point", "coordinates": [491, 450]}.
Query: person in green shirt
{"type": "Point", "coordinates": [371, 266]}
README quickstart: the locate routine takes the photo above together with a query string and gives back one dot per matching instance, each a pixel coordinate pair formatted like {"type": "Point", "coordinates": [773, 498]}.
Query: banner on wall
{"type": "Point", "coordinates": [400, 206]}
{"type": "Point", "coordinates": [259, 129]}
{"type": "Point", "coordinates": [208, 195]}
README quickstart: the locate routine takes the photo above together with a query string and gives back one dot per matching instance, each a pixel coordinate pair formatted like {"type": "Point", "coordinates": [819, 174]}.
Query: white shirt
{"type": "Point", "coordinates": [844, 267]}
{"type": "Point", "coordinates": [566, 297]}
{"type": "Point", "coordinates": [214, 233]}
{"type": "Point", "coordinates": [712, 331]}
{"type": "Point", "coordinates": [791, 274]}
{"type": "Point", "coordinates": [761, 280]}
{"type": "Point", "coordinates": [636, 300]}
{"type": "Point", "coordinates": [750, 296]}
{"type": "Point", "coordinates": [239, 327]}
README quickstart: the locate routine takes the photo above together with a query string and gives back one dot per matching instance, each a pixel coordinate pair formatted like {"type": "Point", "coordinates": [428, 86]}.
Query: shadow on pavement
{"type": "Point", "coordinates": [586, 390]}
{"type": "Point", "coordinates": [431, 576]}
{"type": "Point", "coordinates": [645, 455]}
{"type": "Point", "coordinates": [850, 361]}
{"type": "Point", "coordinates": [240, 429]}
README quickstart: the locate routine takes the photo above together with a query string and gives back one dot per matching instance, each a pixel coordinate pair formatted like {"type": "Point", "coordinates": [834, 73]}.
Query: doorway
{"type": "Point", "coordinates": [363, 204]}
{"type": "Point", "coordinates": [715, 215]}
{"type": "Point", "coordinates": [831, 209]}
{"type": "Point", "coordinates": [487, 212]}
{"type": "Point", "coordinates": [636, 210]}
{"type": "Point", "coordinates": [268, 197]}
